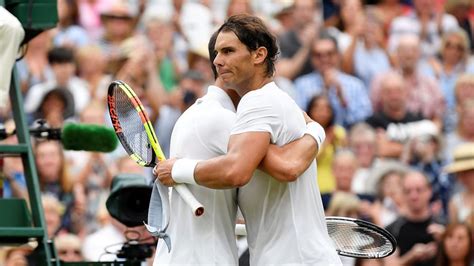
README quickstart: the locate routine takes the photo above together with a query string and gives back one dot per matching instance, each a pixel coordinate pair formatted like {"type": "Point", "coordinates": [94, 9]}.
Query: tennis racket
{"type": "Point", "coordinates": [135, 132]}
{"type": "Point", "coordinates": [360, 239]}
{"type": "Point", "coordinates": [353, 238]}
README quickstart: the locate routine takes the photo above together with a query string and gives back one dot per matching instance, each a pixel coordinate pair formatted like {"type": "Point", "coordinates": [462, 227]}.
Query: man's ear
{"type": "Point", "coordinates": [260, 55]}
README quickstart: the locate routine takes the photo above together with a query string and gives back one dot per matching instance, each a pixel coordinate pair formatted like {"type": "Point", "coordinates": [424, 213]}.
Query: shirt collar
{"type": "Point", "coordinates": [221, 96]}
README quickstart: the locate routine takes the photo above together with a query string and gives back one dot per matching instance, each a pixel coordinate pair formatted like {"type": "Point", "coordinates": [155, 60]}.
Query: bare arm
{"type": "Point", "coordinates": [245, 151]}
{"type": "Point", "coordinates": [287, 163]}
{"type": "Point", "coordinates": [234, 169]}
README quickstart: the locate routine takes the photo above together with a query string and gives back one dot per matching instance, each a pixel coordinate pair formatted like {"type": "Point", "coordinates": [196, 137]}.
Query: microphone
{"type": "Point", "coordinates": [77, 137]}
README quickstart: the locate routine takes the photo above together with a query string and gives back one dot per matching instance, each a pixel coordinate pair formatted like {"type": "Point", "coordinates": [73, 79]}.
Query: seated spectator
{"type": "Point", "coordinates": [388, 204]}
{"type": "Point", "coordinates": [464, 132]}
{"type": "Point", "coordinates": [426, 22]}
{"type": "Point", "coordinates": [363, 143]}
{"type": "Point", "coordinates": [91, 66]}
{"type": "Point", "coordinates": [63, 65]}
{"type": "Point", "coordinates": [462, 11]}
{"type": "Point", "coordinates": [365, 56]}
{"type": "Point", "coordinates": [452, 63]}
{"type": "Point", "coordinates": [53, 213]}
{"type": "Point", "coordinates": [68, 33]}
{"type": "Point", "coordinates": [346, 93]}
{"type": "Point", "coordinates": [416, 229]}
{"type": "Point", "coordinates": [54, 179]}
{"type": "Point", "coordinates": [321, 111]}
{"type": "Point", "coordinates": [456, 246]}
{"type": "Point", "coordinates": [424, 94]}
{"type": "Point", "coordinates": [461, 205]}
{"type": "Point", "coordinates": [56, 106]}
{"type": "Point", "coordinates": [344, 166]}
{"type": "Point", "coordinates": [295, 44]}
{"type": "Point", "coordinates": [394, 111]}
{"type": "Point", "coordinates": [68, 247]}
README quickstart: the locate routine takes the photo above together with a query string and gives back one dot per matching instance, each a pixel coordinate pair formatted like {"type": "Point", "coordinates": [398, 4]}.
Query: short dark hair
{"type": "Point", "coordinates": [60, 55]}
{"type": "Point", "coordinates": [253, 33]}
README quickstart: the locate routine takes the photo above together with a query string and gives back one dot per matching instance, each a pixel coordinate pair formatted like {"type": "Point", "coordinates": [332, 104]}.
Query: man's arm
{"type": "Point", "coordinates": [245, 151]}
{"type": "Point", "coordinates": [288, 162]}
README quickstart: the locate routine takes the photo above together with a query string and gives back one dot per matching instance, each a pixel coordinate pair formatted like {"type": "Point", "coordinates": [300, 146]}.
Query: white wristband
{"type": "Point", "coordinates": [183, 171]}
{"type": "Point", "coordinates": [317, 132]}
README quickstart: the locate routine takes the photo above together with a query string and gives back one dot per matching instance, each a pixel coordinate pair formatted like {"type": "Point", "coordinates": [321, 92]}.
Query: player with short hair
{"type": "Point", "coordinates": [285, 221]}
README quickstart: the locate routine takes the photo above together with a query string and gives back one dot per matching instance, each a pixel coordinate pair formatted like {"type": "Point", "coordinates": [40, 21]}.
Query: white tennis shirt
{"type": "Point", "coordinates": [285, 221]}
{"type": "Point", "coordinates": [202, 132]}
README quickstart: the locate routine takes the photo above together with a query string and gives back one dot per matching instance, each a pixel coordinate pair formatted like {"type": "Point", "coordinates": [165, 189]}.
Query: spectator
{"type": "Point", "coordinates": [119, 21]}
{"type": "Point", "coordinates": [386, 11]}
{"type": "Point", "coordinates": [427, 23]}
{"type": "Point", "coordinates": [461, 205]}
{"type": "Point", "coordinates": [68, 33]}
{"type": "Point", "coordinates": [63, 65]}
{"type": "Point", "coordinates": [464, 132]}
{"type": "Point", "coordinates": [91, 67]}
{"type": "Point", "coordinates": [68, 247]}
{"type": "Point", "coordinates": [416, 229]}
{"type": "Point", "coordinates": [363, 143]}
{"type": "Point", "coordinates": [453, 62]}
{"type": "Point", "coordinates": [56, 106]}
{"type": "Point", "coordinates": [463, 91]}
{"type": "Point", "coordinates": [321, 111]}
{"type": "Point", "coordinates": [460, 10]}
{"type": "Point", "coordinates": [456, 246]}
{"type": "Point", "coordinates": [53, 212]}
{"type": "Point", "coordinates": [18, 256]}
{"type": "Point", "coordinates": [34, 67]}
{"type": "Point", "coordinates": [388, 204]}
{"type": "Point", "coordinates": [161, 33]}
{"type": "Point", "coordinates": [365, 56]}
{"type": "Point", "coordinates": [55, 179]}
{"type": "Point", "coordinates": [295, 44]}
{"type": "Point", "coordinates": [424, 95]}
{"type": "Point", "coordinates": [394, 111]}
{"type": "Point", "coordinates": [346, 93]}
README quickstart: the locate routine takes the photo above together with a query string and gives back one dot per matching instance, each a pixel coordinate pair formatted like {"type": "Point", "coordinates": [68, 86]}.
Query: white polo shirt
{"type": "Point", "coordinates": [202, 132]}
{"type": "Point", "coordinates": [285, 221]}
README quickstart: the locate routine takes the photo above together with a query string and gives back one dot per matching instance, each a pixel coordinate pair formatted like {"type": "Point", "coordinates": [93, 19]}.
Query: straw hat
{"type": "Point", "coordinates": [463, 159]}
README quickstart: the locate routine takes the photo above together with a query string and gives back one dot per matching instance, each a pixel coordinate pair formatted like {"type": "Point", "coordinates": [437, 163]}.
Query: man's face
{"type": "Point", "coordinates": [408, 55]}
{"type": "Point", "coordinates": [324, 55]}
{"type": "Point", "coordinates": [305, 12]}
{"type": "Point", "coordinates": [417, 192]}
{"type": "Point", "coordinates": [234, 62]}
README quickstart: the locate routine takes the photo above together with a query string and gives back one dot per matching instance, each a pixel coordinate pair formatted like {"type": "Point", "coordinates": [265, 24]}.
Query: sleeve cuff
{"type": "Point", "coordinates": [183, 171]}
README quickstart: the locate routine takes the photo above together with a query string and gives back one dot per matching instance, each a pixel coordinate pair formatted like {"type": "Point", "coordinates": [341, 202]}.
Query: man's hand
{"type": "Point", "coordinates": [163, 172]}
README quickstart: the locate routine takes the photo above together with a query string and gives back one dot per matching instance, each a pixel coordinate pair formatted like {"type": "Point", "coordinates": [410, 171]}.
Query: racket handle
{"type": "Point", "coordinates": [189, 198]}
{"type": "Point", "coordinates": [240, 230]}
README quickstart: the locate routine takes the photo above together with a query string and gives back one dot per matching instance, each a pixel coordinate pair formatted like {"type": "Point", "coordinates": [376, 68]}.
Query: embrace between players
{"type": "Point", "coordinates": [257, 156]}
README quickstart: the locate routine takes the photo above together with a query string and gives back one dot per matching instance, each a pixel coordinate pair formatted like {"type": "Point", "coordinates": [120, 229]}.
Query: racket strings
{"type": "Point", "coordinates": [350, 239]}
{"type": "Point", "coordinates": [132, 126]}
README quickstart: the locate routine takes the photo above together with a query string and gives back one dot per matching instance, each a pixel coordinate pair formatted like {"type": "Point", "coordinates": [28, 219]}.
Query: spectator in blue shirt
{"type": "Point", "coordinates": [347, 93]}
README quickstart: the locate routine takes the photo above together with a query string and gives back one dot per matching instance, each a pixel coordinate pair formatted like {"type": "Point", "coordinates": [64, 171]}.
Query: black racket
{"type": "Point", "coordinates": [360, 239]}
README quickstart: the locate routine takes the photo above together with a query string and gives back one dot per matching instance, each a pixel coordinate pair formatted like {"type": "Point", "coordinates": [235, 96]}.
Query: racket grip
{"type": "Point", "coordinates": [188, 197]}
{"type": "Point", "coordinates": [240, 230]}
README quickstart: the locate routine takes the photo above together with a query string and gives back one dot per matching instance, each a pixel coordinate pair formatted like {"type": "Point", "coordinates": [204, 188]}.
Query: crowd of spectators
{"type": "Point", "coordinates": [391, 82]}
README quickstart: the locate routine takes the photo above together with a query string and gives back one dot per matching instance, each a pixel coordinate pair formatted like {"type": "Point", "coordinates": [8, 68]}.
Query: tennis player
{"type": "Point", "coordinates": [202, 132]}
{"type": "Point", "coordinates": [285, 221]}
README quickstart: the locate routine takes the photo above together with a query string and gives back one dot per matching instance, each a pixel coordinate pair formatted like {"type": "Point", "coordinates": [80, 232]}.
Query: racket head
{"type": "Point", "coordinates": [132, 125]}
{"type": "Point", "coordinates": [360, 239]}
